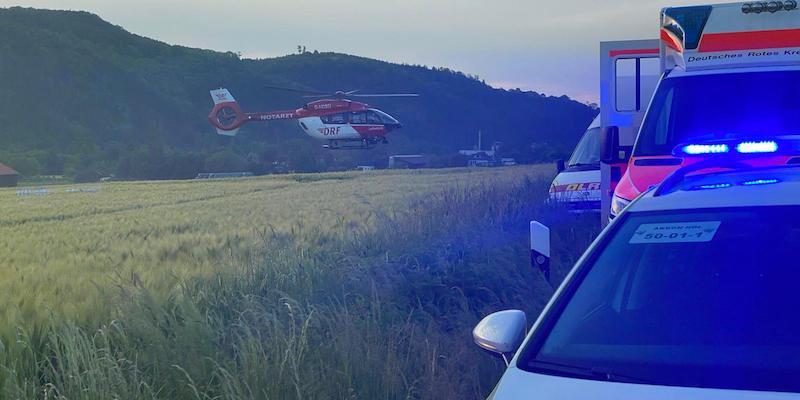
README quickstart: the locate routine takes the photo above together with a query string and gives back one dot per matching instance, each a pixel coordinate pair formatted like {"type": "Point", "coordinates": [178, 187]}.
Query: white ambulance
{"type": "Point", "coordinates": [730, 84]}
{"type": "Point", "coordinates": [636, 71]}
{"type": "Point", "coordinates": [577, 185]}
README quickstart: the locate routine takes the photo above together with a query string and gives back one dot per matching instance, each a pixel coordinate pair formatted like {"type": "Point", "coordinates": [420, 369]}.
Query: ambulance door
{"type": "Point", "coordinates": [629, 73]}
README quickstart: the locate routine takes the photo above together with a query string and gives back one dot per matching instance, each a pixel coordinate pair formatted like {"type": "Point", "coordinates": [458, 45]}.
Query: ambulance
{"type": "Point", "coordinates": [730, 84]}
{"type": "Point", "coordinates": [577, 185]}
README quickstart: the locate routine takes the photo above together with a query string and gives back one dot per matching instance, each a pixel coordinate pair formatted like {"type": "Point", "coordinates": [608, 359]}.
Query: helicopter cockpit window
{"type": "Point", "coordinates": [373, 118]}
{"type": "Point", "coordinates": [358, 118]}
{"type": "Point", "coordinates": [385, 118]}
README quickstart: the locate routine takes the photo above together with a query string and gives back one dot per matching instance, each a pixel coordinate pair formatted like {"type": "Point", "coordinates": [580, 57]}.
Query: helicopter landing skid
{"type": "Point", "coordinates": [365, 144]}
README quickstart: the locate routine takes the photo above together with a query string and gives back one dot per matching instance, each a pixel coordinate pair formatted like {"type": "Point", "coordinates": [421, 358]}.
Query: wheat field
{"type": "Point", "coordinates": [358, 285]}
{"type": "Point", "coordinates": [55, 248]}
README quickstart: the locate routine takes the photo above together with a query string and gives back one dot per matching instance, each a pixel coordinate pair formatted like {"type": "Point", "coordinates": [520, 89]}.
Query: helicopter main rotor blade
{"type": "Point", "coordinates": [312, 92]}
{"type": "Point", "coordinates": [386, 95]}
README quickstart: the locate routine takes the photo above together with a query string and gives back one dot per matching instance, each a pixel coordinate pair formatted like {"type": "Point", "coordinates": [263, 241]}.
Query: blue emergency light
{"type": "Point", "coordinates": [764, 146]}
{"type": "Point", "coordinates": [757, 182]}
{"type": "Point", "coordinates": [714, 186]}
{"type": "Point", "coordinates": [732, 147]}
{"type": "Point", "coordinates": [698, 149]}
{"type": "Point", "coordinates": [725, 185]}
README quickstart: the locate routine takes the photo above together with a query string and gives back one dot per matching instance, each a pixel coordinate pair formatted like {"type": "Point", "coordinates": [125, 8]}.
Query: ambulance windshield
{"type": "Point", "coordinates": [587, 152]}
{"type": "Point", "coordinates": [721, 106]}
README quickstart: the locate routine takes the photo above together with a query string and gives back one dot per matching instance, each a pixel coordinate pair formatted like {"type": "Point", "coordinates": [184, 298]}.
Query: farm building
{"type": "Point", "coordinates": [408, 161]}
{"type": "Point", "coordinates": [223, 175]}
{"type": "Point", "coordinates": [8, 177]}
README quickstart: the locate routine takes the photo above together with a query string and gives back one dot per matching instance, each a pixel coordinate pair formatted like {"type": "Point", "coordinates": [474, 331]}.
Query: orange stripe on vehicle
{"type": "Point", "coordinates": [755, 40]}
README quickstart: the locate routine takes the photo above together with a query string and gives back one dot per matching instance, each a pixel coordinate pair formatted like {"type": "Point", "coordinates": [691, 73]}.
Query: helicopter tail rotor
{"type": "Point", "coordinates": [226, 115]}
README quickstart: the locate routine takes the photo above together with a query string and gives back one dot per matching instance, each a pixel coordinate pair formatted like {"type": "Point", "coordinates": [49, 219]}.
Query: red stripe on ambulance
{"type": "Point", "coordinates": [754, 40]}
{"type": "Point", "coordinates": [615, 53]}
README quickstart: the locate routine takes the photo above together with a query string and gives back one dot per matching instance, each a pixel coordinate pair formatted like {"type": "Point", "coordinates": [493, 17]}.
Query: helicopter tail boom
{"type": "Point", "coordinates": [228, 117]}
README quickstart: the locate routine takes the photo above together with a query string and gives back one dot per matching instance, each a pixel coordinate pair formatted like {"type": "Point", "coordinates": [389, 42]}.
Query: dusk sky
{"type": "Point", "coordinates": [547, 46]}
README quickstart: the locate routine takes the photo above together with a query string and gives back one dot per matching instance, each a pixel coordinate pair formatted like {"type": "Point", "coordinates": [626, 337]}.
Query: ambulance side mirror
{"type": "Point", "coordinates": [609, 146]}
{"type": "Point", "coordinates": [540, 248]}
{"type": "Point", "coordinates": [560, 166]}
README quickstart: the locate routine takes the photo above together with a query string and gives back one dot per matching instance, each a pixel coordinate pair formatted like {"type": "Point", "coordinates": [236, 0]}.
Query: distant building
{"type": "Point", "coordinates": [473, 153]}
{"type": "Point", "coordinates": [413, 161]}
{"type": "Point", "coordinates": [484, 158]}
{"type": "Point", "coordinates": [507, 162]}
{"type": "Point", "coordinates": [365, 168]}
{"type": "Point", "coordinates": [481, 159]}
{"type": "Point", "coordinates": [8, 177]}
{"type": "Point", "coordinates": [480, 163]}
{"type": "Point", "coordinates": [223, 175]}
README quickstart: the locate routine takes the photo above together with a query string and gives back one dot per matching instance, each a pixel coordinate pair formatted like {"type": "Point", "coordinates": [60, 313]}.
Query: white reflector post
{"type": "Point", "coordinates": [540, 238]}
{"type": "Point", "coordinates": [540, 248]}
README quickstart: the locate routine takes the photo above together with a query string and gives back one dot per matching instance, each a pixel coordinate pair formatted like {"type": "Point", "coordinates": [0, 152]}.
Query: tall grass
{"type": "Point", "coordinates": [375, 307]}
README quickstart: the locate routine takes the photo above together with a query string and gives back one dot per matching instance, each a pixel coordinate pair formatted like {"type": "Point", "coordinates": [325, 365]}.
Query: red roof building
{"type": "Point", "coordinates": [8, 177]}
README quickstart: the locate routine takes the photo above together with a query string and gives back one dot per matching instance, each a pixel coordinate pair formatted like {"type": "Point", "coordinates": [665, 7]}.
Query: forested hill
{"type": "Point", "coordinates": [81, 95]}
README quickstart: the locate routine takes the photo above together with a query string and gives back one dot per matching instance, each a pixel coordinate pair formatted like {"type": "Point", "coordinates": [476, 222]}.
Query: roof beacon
{"type": "Point", "coordinates": [766, 146]}
{"type": "Point", "coordinates": [769, 6]}
{"type": "Point", "coordinates": [696, 149]}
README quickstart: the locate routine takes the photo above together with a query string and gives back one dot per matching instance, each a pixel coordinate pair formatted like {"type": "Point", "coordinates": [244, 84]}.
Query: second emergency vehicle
{"type": "Point", "coordinates": [577, 185]}
{"type": "Point", "coordinates": [730, 84]}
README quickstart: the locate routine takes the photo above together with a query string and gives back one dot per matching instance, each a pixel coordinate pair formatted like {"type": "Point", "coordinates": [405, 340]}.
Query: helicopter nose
{"type": "Point", "coordinates": [391, 127]}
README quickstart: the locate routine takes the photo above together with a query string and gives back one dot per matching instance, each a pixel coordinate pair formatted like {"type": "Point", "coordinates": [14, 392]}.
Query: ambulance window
{"type": "Point", "coordinates": [636, 80]}
{"type": "Point", "coordinates": [626, 84]}
{"type": "Point", "coordinates": [650, 74]}
{"type": "Point", "coordinates": [720, 106]}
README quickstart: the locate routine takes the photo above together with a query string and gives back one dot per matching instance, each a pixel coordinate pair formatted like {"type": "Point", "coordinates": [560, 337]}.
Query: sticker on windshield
{"type": "Point", "coordinates": [676, 232]}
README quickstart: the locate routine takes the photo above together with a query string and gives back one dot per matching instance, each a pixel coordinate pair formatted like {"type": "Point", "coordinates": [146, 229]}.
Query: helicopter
{"type": "Point", "coordinates": [343, 123]}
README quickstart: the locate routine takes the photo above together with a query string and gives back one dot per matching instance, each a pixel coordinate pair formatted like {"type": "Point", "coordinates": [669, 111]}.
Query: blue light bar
{"type": "Point", "coordinates": [766, 146]}
{"type": "Point", "coordinates": [715, 186]}
{"type": "Point", "coordinates": [696, 149]}
{"type": "Point", "coordinates": [760, 182]}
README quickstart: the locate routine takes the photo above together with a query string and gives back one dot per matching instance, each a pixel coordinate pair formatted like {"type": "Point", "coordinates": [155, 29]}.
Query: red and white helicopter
{"type": "Point", "coordinates": [344, 123]}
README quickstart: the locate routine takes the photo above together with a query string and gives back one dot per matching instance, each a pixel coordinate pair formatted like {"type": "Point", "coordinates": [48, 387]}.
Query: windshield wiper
{"type": "Point", "coordinates": [587, 372]}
